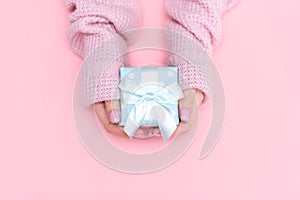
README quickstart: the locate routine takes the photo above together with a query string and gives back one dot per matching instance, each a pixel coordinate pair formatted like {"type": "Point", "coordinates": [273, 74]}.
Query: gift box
{"type": "Point", "coordinates": [149, 97]}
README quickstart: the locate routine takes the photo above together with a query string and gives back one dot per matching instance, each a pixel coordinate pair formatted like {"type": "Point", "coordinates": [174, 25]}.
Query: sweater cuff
{"type": "Point", "coordinates": [193, 77]}
{"type": "Point", "coordinates": [103, 87]}
{"type": "Point", "coordinates": [101, 69]}
{"type": "Point", "coordinates": [190, 77]}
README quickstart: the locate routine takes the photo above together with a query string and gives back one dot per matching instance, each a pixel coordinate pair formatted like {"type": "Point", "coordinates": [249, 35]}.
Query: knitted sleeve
{"type": "Point", "coordinates": [199, 20]}
{"type": "Point", "coordinates": [93, 22]}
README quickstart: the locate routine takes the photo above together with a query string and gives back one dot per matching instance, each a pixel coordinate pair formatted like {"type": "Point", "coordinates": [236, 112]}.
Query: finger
{"type": "Point", "coordinates": [199, 96]}
{"type": "Point", "coordinates": [139, 133]}
{"type": "Point", "coordinates": [181, 129]}
{"type": "Point", "coordinates": [156, 131]}
{"type": "Point", "coordinates": [188, 110]}
{"type": "Point", "coordinates": [103, 117]}
{"type": "Point", "coordinates": [147, 132]}
{"type": "Point", "coordinates": [113, 111]}
{"type": "Point", "coordinates": [150, 131]}
{"type": "Point", "coordinates": [190, 104]}
{"type": "Point", "coordinates": [186, 105]}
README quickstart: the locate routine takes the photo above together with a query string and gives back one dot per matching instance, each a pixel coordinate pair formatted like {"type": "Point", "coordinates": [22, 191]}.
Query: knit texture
{"type": "Point", "coordinates": [95, 22]}
{"type": "Point", "coordinates": [198, 21]}
{"type": "Point", "coordinates": [96, 34]}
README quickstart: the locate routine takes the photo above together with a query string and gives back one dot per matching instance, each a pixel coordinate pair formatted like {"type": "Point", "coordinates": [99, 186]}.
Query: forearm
{"type": "Point", "coordinates": [93, 24]}
{"type": "Point", "coordinates": [198, 22]}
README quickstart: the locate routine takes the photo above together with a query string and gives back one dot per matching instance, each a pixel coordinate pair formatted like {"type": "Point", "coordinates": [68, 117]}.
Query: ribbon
{"type": "Point", "coordinates": [150, 101]}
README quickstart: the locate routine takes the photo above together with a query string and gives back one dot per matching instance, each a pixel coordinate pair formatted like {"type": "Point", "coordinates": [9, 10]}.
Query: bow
{"type": "Point", "coordinates": [150, 100]}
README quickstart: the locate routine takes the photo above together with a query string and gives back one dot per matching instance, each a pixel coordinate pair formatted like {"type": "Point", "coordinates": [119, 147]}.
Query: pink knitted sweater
{"type": "Point", "coordinates": [95, 21]}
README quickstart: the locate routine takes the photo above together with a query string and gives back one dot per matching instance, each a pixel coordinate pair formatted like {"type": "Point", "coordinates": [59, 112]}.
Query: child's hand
{"type": "Point", "coordinates": [108, 113]}
{"type": "Point", "coordinates": [188, 109]}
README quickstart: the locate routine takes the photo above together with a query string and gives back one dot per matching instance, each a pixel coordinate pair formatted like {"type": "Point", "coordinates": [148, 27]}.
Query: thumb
{"type": "Point", "coordinates": [186, 105]}
{"type": "Point", "coordinates": [188, 110]}
{"type": "Point", "coordinates": [113, 111]}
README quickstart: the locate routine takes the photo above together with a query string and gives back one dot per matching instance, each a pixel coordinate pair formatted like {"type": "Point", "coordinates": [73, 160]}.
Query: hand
{"type": "Point", "coordinates": [108, 113]}
{"type": "Point", "coordinates": [188, 109]}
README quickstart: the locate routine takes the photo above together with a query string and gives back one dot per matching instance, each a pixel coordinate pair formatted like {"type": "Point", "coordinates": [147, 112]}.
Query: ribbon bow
{"type": "Point", "coordinates": [150, 102]}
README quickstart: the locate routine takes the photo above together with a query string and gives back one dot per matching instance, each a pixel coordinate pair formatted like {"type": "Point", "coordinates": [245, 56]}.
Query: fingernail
{"type": "Point", "coordinates": [114, 116]}
{"type": "Point", "coordinates": [185, 115]}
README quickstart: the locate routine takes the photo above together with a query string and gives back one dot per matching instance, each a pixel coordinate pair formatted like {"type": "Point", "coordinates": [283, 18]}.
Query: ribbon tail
{"type": "Point", "coordinates": [165, 121]}
{"type": "Point", "coordinates": [130, 128]}
{"type": "Point", "coordinates": [134, 119]}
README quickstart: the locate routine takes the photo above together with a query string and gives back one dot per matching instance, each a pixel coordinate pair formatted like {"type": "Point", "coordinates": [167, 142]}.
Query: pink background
{"type": "Point", "coordinates": [256, 158]}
